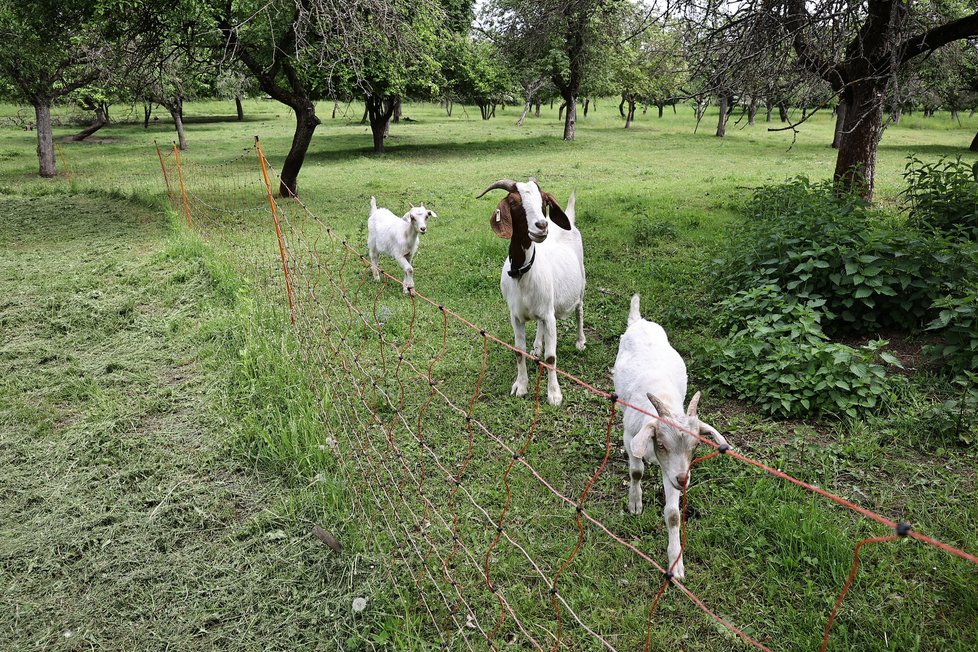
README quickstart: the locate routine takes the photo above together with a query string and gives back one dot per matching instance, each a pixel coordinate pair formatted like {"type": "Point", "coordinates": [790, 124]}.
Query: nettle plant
{"type": "Point", "coordinates": [776, 355]}
{"type": "Point", "coordinates": [818, 246]}
{"type": "Point", "coordinates": [943, 196]}
{"type": "Point", "coordinates": [958, 320]}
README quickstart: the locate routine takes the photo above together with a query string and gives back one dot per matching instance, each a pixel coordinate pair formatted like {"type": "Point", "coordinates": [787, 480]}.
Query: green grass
{"type": "Point", "coordinates": [654, 205]}
{"type": "Point", "coordinates": [124, 522]}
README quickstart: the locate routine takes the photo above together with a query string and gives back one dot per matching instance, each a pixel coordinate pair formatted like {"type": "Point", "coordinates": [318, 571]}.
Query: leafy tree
{"type": "Point", "coordinates": [572, 38]}
{"type": "Point", "coordinates": [475, 73]}
{"type": "Point", "coordinates": [52, 48]}
{"type": "Point", "coordinates": [858, 47]}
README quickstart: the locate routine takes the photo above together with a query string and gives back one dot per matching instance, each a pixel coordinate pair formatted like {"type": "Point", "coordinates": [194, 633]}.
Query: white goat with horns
{"type": "Point", "coordinates": [543, 276]}
{"type": "Point", "coordinates": [649, 370]}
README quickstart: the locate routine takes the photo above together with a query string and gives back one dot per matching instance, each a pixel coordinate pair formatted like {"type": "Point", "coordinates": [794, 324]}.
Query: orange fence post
{"type": "Point", "coordinates": [64, 162]}
{"type": "Point", "coordinates": [278, 228]}
{"type": "Point", "coordinates": [166, 177]}
{"type": "Point", "coordinates": [186, 204]}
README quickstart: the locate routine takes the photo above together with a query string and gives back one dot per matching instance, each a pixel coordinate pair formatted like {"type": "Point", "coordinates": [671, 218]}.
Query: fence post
{"type": "Point", "coordinates": [166, 177]}
{"type": "Point", "coordinates": [186, 204]}
{"type": "Point", "coordinates": [64, 162]}
{"type": "Point", "coordinates": [278, 229]}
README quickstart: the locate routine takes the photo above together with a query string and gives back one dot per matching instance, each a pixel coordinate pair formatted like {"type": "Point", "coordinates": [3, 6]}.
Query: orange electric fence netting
{"type": "Point", "coordinates": [448, 487]}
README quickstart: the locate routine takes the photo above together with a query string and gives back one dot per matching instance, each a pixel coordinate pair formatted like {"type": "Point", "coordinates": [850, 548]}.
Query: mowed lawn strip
{"type": "Point", "coordinates": [124, 523]}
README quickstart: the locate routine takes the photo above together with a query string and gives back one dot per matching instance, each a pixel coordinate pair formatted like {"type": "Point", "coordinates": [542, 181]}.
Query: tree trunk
{"type": "Point", "coordinates": [560, 111]}
{"type": "Point", "coordinates": [397, 111]}
{"type": "Point", "coordinates": [306, 122]}
{"type": "Point", "coordinates": [147, 113]}
{"type": "Point", "coordinates": [570, 120]}
{"type": "Point", "coordinates": [526, 109]}
{"type": "Point", "coordinates": [897, 114]}
{"type": "Point", "coordinates": [366, 112]}
{"type": "Point", "coordinates": [660, 107]}
{"type": "Point", "coordinates": [45, 139]}
{"type": "Point", "coordinates": [974, 144]}
{"type": "Point", "coordinates": [724, 114]}
{"type": "Point", "coordinates": [840, 124]}
{"type": "Point", "coordinates": [587, 105]}
{"type": "Point", "coordinates": [239, 107]}
{"type": "Point", "coordinates": [621, 106]}
{"type": "Point", "coordinates": [380, 117]}
{"type": "Point", "coordinates": [101, 119]}
{"type": "Point", "coordinates": [954, 114]}
{"type": "Point", "coordinates": [178, 123]}
{"type": "Point", "coordinates": [769, 107]}
{"type": "Point", "coordinates": [538, 108]}
{"type": "Point", "coordinates": [855, 166]}
{"type": "Point", "coordinates": [783, 111]}
{"type": "Point", "coordinates": [631, 113]}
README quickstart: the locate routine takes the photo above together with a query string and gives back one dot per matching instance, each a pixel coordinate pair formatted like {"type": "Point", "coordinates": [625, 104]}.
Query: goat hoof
{"type": "Point", "coordinates": [555, 399]}
{"type": "Point", "coordinates": [519, 389]}
{"type": "Point", "coordinates": [580, 345]}
{"type": "Point", "coordinates": [635, 509]}
{"type": "Point", "coordinates": [409, 290]}
{"type": "Point", "coordinates": [680, 572]}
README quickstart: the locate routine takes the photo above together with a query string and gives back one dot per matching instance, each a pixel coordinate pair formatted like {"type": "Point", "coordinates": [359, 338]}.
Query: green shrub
{"type": "Point", "coordinates": [776, 355]}
{"type": "Point", "coordinates": [958, 319]}
{"type": "Point", "coordinates": [943, 196]}
{"type": "Point", "coordinates": [869, 273]}
{"type": "Point", "coordinates": [953, 420]}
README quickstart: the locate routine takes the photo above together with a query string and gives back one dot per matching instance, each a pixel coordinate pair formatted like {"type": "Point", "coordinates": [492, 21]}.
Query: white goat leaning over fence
{"type": "Point", "coordinates": [648, 369]}
{"type": "Point", "coordinates": [543, 276]}
{"type": "Point", "coordinates": [397, 237]}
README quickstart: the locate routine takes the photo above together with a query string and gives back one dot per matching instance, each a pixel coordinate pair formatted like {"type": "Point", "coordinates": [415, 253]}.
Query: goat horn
{"type": "Point", "coordinates": [503, 184]}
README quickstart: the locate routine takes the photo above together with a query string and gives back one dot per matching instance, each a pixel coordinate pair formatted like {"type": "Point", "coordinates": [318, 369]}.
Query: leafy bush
{"type": "Point", "coordinates": [953, 420]}
{"type": "Point", "coordinates": [776, 355]}
{"type": "Point", "coordinates": [871, 274]}
{"type": "Point", "coordinates": [943, 196]}
{"type": "Point", "coordinates": [958, 318]}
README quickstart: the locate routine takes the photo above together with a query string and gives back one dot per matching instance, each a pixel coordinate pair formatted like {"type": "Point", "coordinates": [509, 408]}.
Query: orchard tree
{"type": "Point", "coordinates": [475, 73]}
{"type": "Point", "coordinates": [573, 37]}
{"type": "Point", "coordinates": [858, 47]}
{"type": "Point", "coordinates": [265, 37]}
{"type": "Point", "coordinates": [51, 49]}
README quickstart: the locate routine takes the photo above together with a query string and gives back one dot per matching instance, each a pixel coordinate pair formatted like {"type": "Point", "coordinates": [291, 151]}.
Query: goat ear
{"type": "Point", "coordinates": [640, 442]}
{"type": "Point", "coordinates": [693, 405]}
{"type": "Point", "coordinates": [707, 429]}
{"type": "Point", "coordinates": [660, 407]}
{"type": "Point", "coordinates": [556, 213]}
{"type": "Point", "coordinates": [502, 220]}
{"type": "Point", "coordinates": [432, 213]}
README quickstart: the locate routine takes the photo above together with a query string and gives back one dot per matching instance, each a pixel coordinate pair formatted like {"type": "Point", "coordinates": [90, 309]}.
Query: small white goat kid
{"type": "Point", "coordinates": [396, 237]}
{"type": "Point", "coordinates": [649, 369]}
{"type": "Point", "coordinates": [543, 276]}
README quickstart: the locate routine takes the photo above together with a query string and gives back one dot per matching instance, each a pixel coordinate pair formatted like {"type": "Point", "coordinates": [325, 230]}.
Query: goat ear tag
{"type": "Point", "coordinates": [501, 222]}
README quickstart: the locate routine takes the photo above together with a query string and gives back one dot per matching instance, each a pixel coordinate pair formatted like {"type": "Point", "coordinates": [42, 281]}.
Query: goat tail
{"type": "Point", "coordinates": [373, 204]}
{"type": "Point", "coordinates": [635, 313]}
{"type": "Point", "coordinates": [570, 212]}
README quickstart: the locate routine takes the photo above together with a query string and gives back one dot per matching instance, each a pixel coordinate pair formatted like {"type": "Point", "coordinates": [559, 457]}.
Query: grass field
{"type": "Point", "coordinates": [240, 438]}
